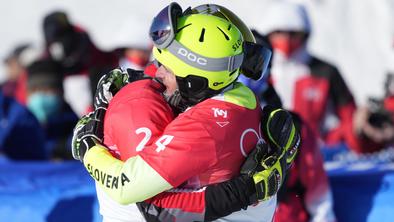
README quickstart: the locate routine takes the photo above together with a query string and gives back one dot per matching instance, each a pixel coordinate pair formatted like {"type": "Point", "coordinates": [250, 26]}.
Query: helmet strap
{"type": "Point", "coordinates": [194, 89]}
{"type": "Point", "coordinates": [174, 98]}
{"type": "Point", "coordinates": [176, 101]}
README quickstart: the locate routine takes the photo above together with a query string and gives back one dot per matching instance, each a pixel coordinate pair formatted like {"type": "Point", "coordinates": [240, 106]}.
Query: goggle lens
{"type": "Point", "coordinates": [257, 59]}
{"type": "Point", "coordinates": [162, 30]}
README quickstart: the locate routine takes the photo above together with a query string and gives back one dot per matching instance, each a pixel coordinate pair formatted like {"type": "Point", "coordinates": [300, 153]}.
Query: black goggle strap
{"type": "Point", "coordinates": [201, 62]}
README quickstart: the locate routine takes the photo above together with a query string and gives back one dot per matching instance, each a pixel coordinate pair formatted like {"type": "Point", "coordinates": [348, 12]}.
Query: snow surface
{"type": "Point", "coordinates": [356, 36]}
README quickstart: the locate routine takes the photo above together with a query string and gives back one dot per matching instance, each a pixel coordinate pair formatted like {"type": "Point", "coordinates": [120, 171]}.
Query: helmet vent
{"type": "Point", "coordinates": [229, 27]}
{"type": "Point", "coordinates": [225, 35]}
{"type": "Point", "coordinates": [202, 35]}
{"type": "Point", "coordinates": [180, 29]}
{"type": "Point", "coordinates": [231, 73]}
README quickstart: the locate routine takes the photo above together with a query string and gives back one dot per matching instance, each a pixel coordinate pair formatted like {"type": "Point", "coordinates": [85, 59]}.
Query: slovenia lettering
{"type": "Point", "coordinates": [107, 180]}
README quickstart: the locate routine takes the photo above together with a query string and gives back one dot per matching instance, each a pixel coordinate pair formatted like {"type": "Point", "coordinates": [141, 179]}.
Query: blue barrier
{"type": "Point", "coordinates": [64, 192]}
{"type": "Point", "coordinates": [363, 192]}
{"type": "Point", "coordinates": [363, 185]}
{"type": "Point", "coordinates": [52, 192]}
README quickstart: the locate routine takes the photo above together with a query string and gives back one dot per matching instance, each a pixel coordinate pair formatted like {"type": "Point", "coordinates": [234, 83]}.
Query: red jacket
{"type": "Point", "coordinates": [140, 122]}
{"type": "Point", "coordinates": [219, 127]}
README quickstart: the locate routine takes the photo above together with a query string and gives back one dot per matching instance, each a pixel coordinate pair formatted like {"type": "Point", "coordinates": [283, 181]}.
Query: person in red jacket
{"type": "Point", "coordinates": [305, 195]}
{"type": "Point", "coordinates": [16, 62]}
{"type": "Point", "coordinates": [307, 85]}
{"type": "Point", "coordinates": [191, 132]}
{"type": "Point", "coordinates": [209, 203]}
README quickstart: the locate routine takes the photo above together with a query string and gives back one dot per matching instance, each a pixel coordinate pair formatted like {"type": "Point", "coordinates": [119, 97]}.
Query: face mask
{"type": "Point", "coordinates": [286, 45]}
{"type": "Point", "coordinates": [56, 50]}
{"type": "Point", "coordinates": [43, 105]}
{"type": "Point", "coordinates": [139, 60]}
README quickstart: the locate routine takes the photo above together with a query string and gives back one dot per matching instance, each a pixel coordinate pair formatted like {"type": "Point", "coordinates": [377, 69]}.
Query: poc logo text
{"type": "Point", "coordinates": [192, 57]}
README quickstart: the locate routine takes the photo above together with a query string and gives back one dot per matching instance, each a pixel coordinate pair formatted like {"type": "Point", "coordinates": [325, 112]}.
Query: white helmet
{"type": "Point", "coordinates": [285, 16]}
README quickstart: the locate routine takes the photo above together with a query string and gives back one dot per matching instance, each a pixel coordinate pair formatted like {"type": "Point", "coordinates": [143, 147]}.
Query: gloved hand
{"type": "Point", "coordinates": [108, 85]}
{"type": "Point", "coordinates": [267, 166]}
{"type": "Point", "coordinates": [280, 132]}
{"type": "Point", "coordinates": [88, 132]}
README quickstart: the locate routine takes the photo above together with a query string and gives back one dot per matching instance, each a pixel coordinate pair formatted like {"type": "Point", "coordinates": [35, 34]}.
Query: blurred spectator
{"type": "Point", "coordinates": [306, 194]}
{"type": "Point", "coordinates": [15, 63]}
{"type": "Point", "coordinates": [133, 43]}
{"type": "Point", "coordinates": [388, 101]}
{"type": "Point", "coordinates": [45, 100]}
{"type": "Point", "coordinates": [72, 47]}
{"type": "Point", "coordinates": [132, 46]}
{"type": "Point", "coordinates": [375, 123]}
{"type": "Point", "coordinates": [307, 85]}
{"type": "Point", "coordinates": [21, 137]}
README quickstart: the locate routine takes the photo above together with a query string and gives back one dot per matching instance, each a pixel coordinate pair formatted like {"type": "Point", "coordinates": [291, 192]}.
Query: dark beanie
{"type": "Point", "coordinates": [45, 74]}
{"type": "Point", "coordinates": [56, 25]}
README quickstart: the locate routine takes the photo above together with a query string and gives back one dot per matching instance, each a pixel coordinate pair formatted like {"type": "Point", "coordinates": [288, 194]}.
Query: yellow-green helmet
{"type": "Point", "coordinates": [205, 55]}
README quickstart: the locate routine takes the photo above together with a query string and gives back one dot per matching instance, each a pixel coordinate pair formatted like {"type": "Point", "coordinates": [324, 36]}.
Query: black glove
{"type": "Point", "coordinates": [88, 132]}
{"type": "Point", "coordinates": [267, 166]}
{"type": "Point", "coordinates": [110, 83]}
{"type": "Point", "coordinates": [280, 131]}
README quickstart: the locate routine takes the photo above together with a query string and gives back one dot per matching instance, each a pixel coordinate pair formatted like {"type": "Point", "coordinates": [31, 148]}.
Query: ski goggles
{"type": "Point", "coordinates": [162, 29]}
{"type": "Point", "coordinates": [253, 61]}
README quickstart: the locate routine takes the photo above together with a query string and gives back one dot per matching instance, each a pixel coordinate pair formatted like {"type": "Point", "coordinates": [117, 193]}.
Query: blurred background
{"type": "Point", "coordinates": [356, 37]}
{"type": "Point", "coordinates": [53, 53]}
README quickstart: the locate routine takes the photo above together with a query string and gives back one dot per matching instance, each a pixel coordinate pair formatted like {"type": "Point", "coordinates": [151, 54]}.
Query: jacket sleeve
{"type": "Point", "coordinates": [134, 181]}
{"type": "Point", "coordinates": [126, 182]}
{"type": "Point", "coordinates": [205, 204]}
